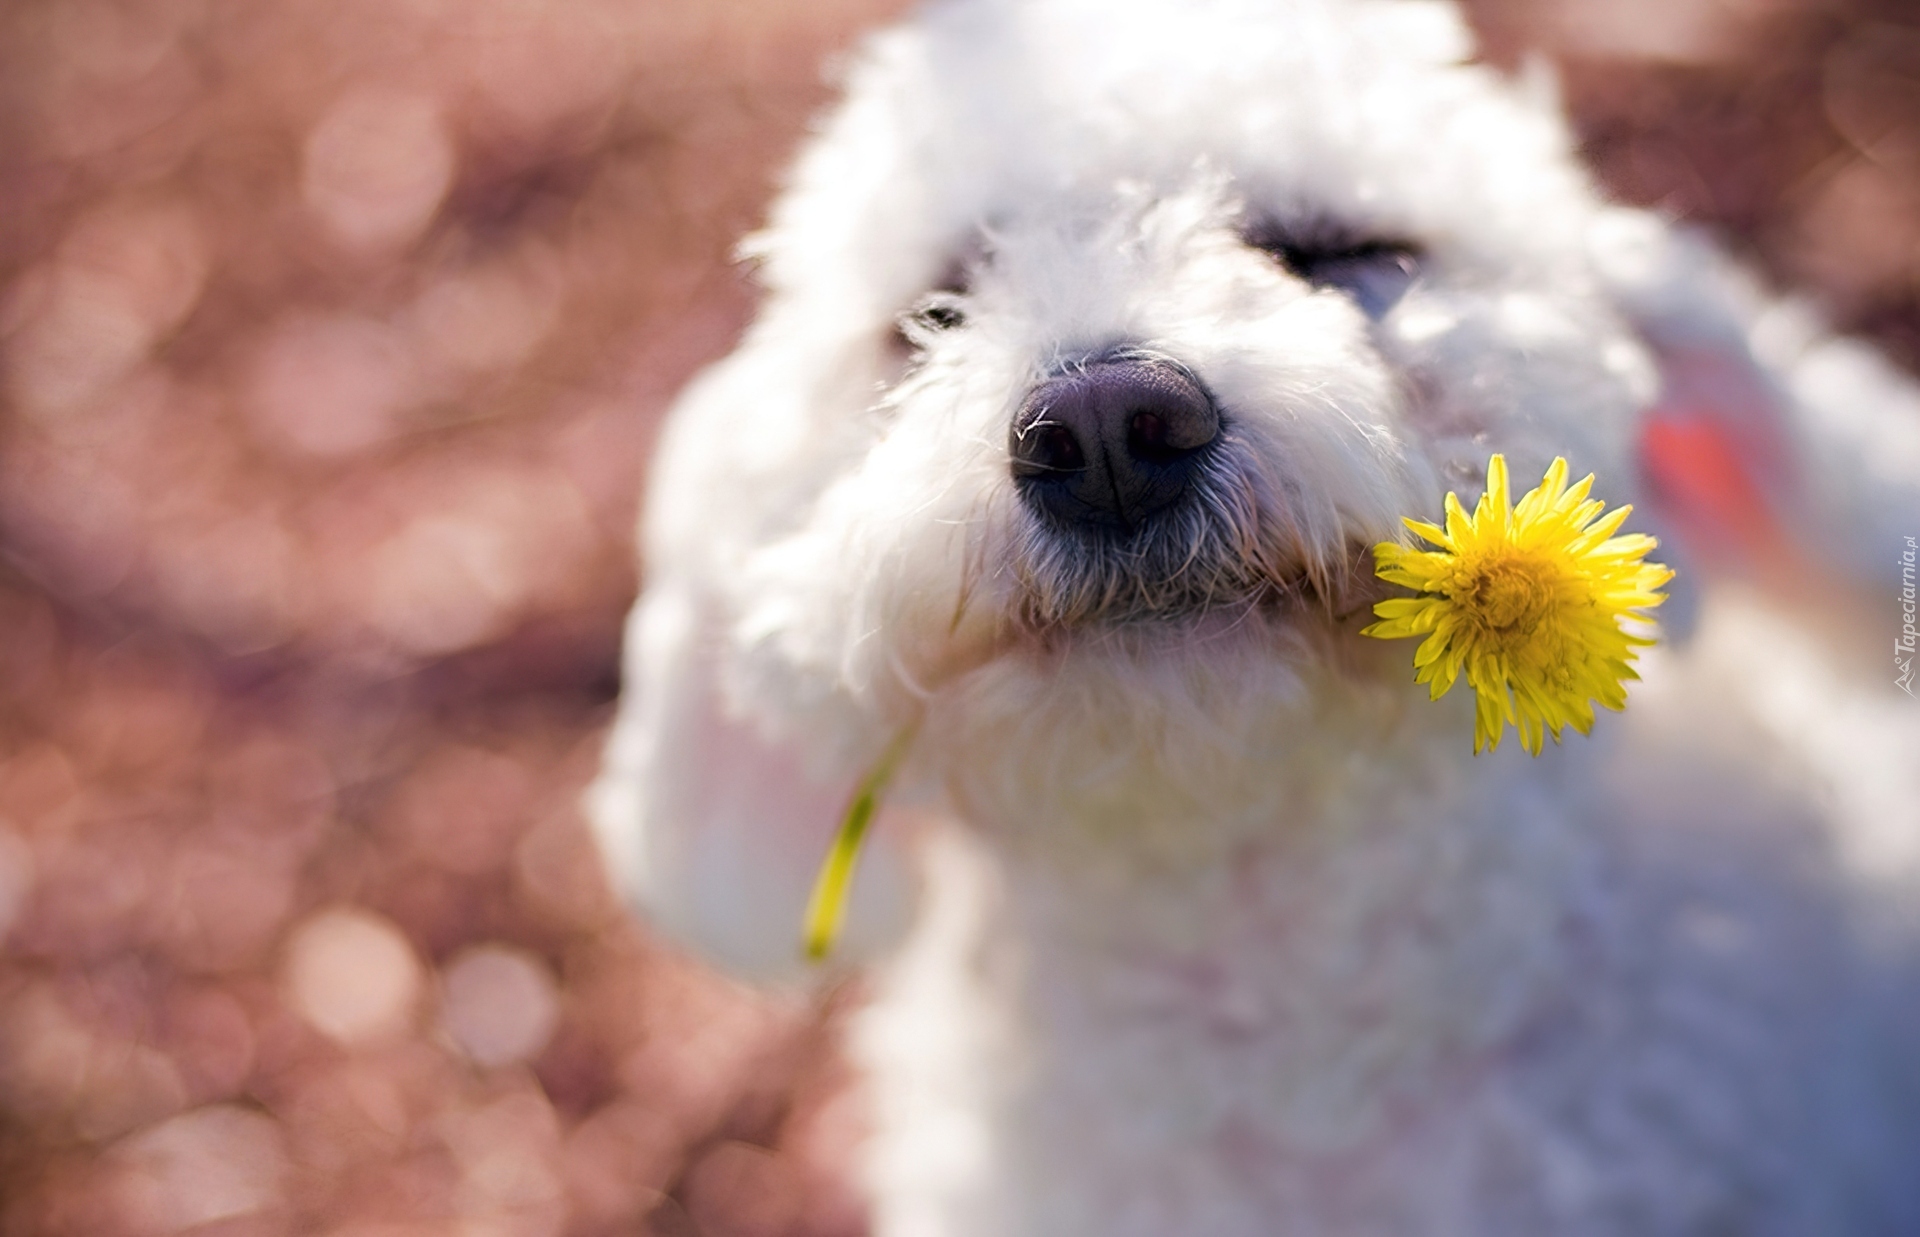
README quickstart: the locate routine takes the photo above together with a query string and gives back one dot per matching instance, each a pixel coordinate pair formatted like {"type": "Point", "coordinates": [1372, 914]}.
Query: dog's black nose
{"type": "Point", "coordinates": [1111, 443]}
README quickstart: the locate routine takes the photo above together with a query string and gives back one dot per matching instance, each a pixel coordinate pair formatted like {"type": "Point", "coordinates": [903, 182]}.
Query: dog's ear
{"type": "Point", "coordinates": [1773, 448]}
{"type": "Point", "coordinates": [713, 830]}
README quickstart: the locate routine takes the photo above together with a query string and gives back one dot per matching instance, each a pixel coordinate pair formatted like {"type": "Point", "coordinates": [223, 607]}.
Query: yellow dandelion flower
{"type": "Point", "coordinates": [1528, 601]}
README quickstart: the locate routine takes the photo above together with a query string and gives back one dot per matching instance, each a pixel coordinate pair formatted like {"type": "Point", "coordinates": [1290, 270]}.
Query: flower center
{"type": "Point", "coordinates": [1510, 594]}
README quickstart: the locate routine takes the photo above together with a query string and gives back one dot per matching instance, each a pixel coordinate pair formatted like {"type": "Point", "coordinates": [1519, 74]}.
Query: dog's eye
{"type": "Point", "coordinates": [943, 306]}
{"type": "Point", "coordinates": [939, 312]}
{"type": "Point", "coordinates": [1376, 273]}
{"type": "Point", "coordinates": [942, 309]}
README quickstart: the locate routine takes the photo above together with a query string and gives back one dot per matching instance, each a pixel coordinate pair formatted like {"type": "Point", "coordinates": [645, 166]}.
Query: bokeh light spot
{"type": "Point", "coordinates": [352, 975]}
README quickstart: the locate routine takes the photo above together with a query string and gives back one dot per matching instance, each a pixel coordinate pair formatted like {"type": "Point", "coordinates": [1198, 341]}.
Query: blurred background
{"type": "Point", "coordinates": [333, 335]}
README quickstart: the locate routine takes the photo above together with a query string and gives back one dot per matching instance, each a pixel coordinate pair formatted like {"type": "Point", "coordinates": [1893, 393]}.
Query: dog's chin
{"type": "Point", "coordinates": [1092, 586]}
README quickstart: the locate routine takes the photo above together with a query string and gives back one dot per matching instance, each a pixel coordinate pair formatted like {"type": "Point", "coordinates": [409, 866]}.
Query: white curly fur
{"type": "Point", "coordinates": [1222, 929]}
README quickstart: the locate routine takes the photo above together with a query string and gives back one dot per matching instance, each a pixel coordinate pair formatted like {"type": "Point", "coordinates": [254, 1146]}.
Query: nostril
{"type": "Point", "coordinates": [1147, 439]}
{"type": "Point", "coordinates": [1048, 448]}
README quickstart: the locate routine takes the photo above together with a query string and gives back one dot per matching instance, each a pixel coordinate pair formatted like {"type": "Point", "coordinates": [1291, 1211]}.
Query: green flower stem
{"type": "Point", "coordinates": [827, 905]}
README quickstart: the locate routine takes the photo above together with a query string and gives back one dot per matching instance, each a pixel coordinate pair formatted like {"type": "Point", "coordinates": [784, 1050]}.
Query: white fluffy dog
{"type": "Point", "coordinates": [1221, 927]}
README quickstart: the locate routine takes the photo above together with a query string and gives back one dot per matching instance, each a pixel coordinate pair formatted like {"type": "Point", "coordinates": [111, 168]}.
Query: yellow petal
{"type": "Point", "coordinates": [1459, 527]}
{"type": "Point", "coordinates": [1428, 532]}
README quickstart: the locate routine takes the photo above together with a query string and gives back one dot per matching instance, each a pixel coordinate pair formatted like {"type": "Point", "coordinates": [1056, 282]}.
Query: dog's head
{"type": "Point", "coordinates": [1088, 322]}
{"type": "Point", "coordinates": [1101, 343]}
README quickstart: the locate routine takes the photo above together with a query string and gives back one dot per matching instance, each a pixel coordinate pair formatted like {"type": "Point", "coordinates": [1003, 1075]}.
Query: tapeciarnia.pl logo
{"type": "Point", "coordinates": [1903, 643]}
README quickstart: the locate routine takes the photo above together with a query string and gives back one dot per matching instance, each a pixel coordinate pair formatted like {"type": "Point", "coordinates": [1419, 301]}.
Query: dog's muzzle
{"type": "Point", "coordinates": [1110, 443]}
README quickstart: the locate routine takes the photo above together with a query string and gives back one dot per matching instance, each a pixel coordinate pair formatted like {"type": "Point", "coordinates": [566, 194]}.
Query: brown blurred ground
{"type": "Point", "coordinates": [332, 337]}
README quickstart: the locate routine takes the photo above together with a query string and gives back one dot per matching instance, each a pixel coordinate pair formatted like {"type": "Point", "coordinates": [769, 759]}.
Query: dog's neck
{"type": "Point", "coordinates": [1276, 932]}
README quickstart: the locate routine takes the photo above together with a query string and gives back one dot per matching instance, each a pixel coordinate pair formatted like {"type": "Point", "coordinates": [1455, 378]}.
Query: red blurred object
{"type": "Point", "coordinates": [1706, 485]}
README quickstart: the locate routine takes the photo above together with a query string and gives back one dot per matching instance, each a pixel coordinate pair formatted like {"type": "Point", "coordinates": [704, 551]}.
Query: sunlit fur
{"type": "Point", "coordinates": [1221, 928]}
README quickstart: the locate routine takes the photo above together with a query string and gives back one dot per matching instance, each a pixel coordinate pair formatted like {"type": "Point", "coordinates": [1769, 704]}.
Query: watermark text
{"type": "Point", "coordinates": [1903, 644]}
